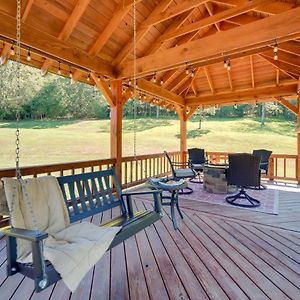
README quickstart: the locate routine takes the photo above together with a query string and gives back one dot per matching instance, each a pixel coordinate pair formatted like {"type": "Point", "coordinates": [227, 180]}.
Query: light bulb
{"type": "Point", "coordinates": [187, 71]}
{"type": "Point", "coordinates": [129, 82]}
{"type": "Point", "coordinates": [161, 82]}
{"type": "Point", "coordinates": [59, 71]}
{"type": "Point", "coordinates": [275, 56]}
{"type": "Point", "coordinates": [192, 74]}
{"type": "Point", "coordinates": [28, 56]}
{"type": "Point", "coordinates": [109, 86]}
{"type": "Point", "coordinates": [154, 79]}
{"type": "Point", "coordinates": [235, 106]}
{"type": "Point", "coordinates": [275, 48]}
{"type": "Point", "coordinates": [98, 79]}
{"type": "Point", "coordinates": [12, 51]}
{"type": "Point", "coordinates": [228, 67]}
{"type": "Point", "coordinates": [225, 64]}
{"type": "Point", "coordinates": [71, 74]}
{"type": "Point", "coordinates": [89, 78]}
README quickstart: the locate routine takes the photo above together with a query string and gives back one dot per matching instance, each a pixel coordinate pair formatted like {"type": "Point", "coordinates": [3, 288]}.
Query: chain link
{"type": "Point", "coordinates": [134, 80]}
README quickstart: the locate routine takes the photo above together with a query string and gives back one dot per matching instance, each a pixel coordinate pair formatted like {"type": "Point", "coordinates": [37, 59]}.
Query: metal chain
{"type": "Point", "coordinates": [134, 80]}
{"type": "Point", "coordinates": [18, 72]}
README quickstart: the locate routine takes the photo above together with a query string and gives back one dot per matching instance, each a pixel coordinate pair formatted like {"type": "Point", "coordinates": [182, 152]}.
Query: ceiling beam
{"type": "Point", "coordinates": [209, 79]}
{"type": "Point", "coordinates": [173, 11]}
{"type": "Point", "coordinates": [103, 87]}
{"type": "Point", "coordinates": [289, 88]}
{"type": "Point", "coordinates": [68, 28]}
{"type": "Point", "coordinates": [287, 104]}
{"type": "Point", "coordinates": [226, 14]}
{"type": "Point", "coordinates": [267, 30]}
{"type": "Point", "coordinates": [26, 10]}
{"type": "Point", "coordinates": [5, 53]}
{"type": "Point", "coordinates": [252, 71]}
{"type": "Point", "coordinates": [46, 44]}
{"type": "Point", "coordinates": [141, 32]}
{"type": "Point", "coordinates": [209, 9]}
{"type": "Point", "coordinates": [160, 92]}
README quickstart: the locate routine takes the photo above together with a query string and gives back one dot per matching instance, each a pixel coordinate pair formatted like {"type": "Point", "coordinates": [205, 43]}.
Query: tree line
{"type": "Point", "coordinates": [54, 97]}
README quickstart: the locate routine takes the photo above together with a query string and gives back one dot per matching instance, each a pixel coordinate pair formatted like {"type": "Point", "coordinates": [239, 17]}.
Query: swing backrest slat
{"type": "Point", "coordinates": [90, 198]}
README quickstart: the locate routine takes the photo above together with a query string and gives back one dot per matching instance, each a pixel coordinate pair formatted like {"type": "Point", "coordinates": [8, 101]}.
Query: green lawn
{"type": "Point", "coordinates": [44, 142]}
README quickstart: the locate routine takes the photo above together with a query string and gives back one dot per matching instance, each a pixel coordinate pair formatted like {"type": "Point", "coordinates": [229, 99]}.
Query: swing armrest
{"type": "Point", "coordinates": [25, 234]}
{"type": "Point", "coordinates": [156, 196]}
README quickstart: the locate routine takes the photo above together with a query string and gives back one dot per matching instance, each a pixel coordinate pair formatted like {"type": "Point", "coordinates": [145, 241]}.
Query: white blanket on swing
{"type": "Point", "coordinates": [72, 249]}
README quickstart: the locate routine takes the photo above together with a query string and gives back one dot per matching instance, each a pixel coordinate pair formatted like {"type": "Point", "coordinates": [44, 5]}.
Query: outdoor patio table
{"type": "Point", "coordinates": [165, 185]}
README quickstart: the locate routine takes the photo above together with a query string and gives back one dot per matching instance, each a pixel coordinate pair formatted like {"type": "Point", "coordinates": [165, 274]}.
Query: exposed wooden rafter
{"type": "Point", "coordinates": [267, 30]}
{"type": "Point", "coordinates": [229, 13]}
{"type": "Point", "coordinates": [47, 44]}
{"type": "Point", "coordinates": [26, 10]}
{"type": "Point", "coordinates": [142, 30]}
{"type": "Point", "coordinates": [68, 28]}
{"type": "Point", "coordinates": [252, 71]}
{"type": "Point", "coordinates": [160, 92]}
{"type": "Point", "coordinates": [287, 104]}
{"type": "Point", "coordinates": [5, 53]}
{"type": "Point", "coordinates": [104, 88]}
{"type": "Point", "coordinates": [209, 79]}
{"type": "Point", "coordinates": [248, 94]}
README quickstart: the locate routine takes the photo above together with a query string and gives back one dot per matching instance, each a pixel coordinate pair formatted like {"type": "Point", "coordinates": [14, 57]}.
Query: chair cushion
{"type": "Point", "coordinates": [184, 173]}
{"type": "Point", "coordinates": [197, 167]}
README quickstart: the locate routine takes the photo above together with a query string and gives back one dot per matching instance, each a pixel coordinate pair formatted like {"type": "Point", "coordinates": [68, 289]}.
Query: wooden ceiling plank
{"type": "Point", "coordinates": [142, 30]}
{"type": "Point", "coordinates": [267, 30]}
{"type": "Point", "coordinates": [68, 28]}
{"type": "Point", "coordinates": [173, 11]}
{"type": "Point", "coordinates": [26, 10]}
{"type": "Point", "coordinates": [160, 92]}
{"type": "Point", "coordinates": [289, 70]}
{"type": "Point", "coordinates": [252, 71]}
{"type": "Point", "coordinates": [209, 79]}
{"type": "Point", "coordinates": [45, 43]}
{"type": "Point", "coordinates": [285, 57]}
{"type": "Point", "coordinates": [292, 47]}
{"type": "Point", "coordinates": [226, 14]}
{"type": "Point", "coordinates": [5, 53]}
{"type": "Point", "coordinates": [248, 94]}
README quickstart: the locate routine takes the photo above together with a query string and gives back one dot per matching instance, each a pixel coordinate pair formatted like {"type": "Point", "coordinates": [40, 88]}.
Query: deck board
{"type": "Point", "coordinates": [217, 253]}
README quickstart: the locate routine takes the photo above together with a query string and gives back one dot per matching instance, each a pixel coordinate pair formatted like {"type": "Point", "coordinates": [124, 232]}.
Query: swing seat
{"type": "Point", "coordinates": [85, 195]}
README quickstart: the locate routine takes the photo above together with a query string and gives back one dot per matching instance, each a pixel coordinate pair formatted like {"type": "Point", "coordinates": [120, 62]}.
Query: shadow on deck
{"type": "Point", "coordinates": [218, 252]}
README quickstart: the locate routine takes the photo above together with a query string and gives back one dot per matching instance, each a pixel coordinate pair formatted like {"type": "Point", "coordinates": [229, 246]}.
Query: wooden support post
{"type": "Point", "coordinates": [298, 134]}
{"type": "Point", "coordinates": [183, 126]}
{"type": "Point", "coordinates": [116, 127]}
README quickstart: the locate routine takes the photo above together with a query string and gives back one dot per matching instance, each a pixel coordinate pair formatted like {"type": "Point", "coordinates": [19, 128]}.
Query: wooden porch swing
{"type": "Point", "coordinates": [97, 192]}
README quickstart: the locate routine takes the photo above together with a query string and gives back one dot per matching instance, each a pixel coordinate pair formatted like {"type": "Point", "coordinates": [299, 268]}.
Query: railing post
{"type": "Point", "coordinates": [181, 111]}
{"type": "Point", "coordinates": [116, 126]}
{"type": "Point", "coordinates": [298, 133]}
{"type": "Point", "coordinates": [271, 169]}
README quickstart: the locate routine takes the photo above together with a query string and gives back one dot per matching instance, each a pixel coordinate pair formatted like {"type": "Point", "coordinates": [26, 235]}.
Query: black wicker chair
{"type": "Point", "coordinates": [243, 172]}
{"type": "Point", "coordinates": [181, 170]}
{"type": "Point", "coordinates": [264, 163]}
{"type": "Point", "coordinates": [196, 161]}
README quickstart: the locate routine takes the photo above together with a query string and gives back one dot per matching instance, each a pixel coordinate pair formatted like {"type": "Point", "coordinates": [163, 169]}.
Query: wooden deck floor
{"type": "Point", "coordinates": [217, 253]}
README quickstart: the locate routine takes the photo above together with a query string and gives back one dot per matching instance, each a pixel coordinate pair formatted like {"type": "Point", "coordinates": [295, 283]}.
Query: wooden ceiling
{"type": "Point", "coordinates": [181, 46]}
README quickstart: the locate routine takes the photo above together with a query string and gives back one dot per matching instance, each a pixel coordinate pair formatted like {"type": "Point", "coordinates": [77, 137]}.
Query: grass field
{"type": "Point", "coordinates": [44, 142]}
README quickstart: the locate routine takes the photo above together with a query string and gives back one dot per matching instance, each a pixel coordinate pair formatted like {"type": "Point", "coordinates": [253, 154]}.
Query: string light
{"type": "Point", "coordinates": [275, 51]}
{"type": "Point", "coordinates": [98, 79]}
{"type": "Point", "coordinates": [154, 78]}
{"type": "Point", "coordinates": [235, 106]}
{"type": "Point", "coordinates": [228, 65]}
{"type": "Point", "coordinates": [70, 74]}
{"type": "Point", "coordinates": [59, 70]}
{"type": "Point", "coordinates": [28, 55]}
{"type": "Point", "coordinates": [193, 73]}
{"type": "Point", "coordinates": [129, 82]}
{"type": "Point", "coordinates": [225, 63]}
{"type": "Point", "coordinates": [187, 71]}
{"type": "Point", "coordinates": [89, 77]}
{"type": "Point", "coordinates": [12, 50]}
{"type": "Point", "coordinates": [161, 82]}
{"type": "Point", "coordinates": [109, 86]}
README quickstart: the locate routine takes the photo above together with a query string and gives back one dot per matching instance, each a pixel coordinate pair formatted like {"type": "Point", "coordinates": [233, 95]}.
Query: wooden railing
{"type": "Point", "coordinates": [281, 166]}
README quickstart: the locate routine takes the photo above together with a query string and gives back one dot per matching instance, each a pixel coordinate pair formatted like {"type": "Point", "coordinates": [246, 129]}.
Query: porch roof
{"type": "Point", "coordinates": [181, 44]}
